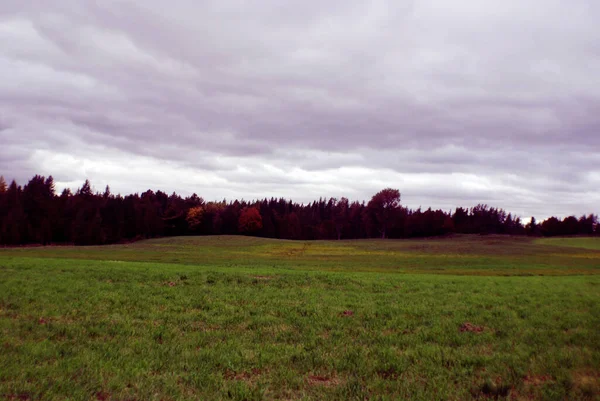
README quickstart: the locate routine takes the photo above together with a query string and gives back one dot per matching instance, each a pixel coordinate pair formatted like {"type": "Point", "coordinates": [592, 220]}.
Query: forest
{"type": "Point", "coordinates": [36, 214]}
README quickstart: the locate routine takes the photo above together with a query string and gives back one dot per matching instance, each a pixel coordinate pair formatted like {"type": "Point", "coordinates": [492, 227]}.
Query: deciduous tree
{"type": "Point", "coordinates": [194, 218]}
{"type": "Point", "coordinates": [383, 206]}
{"type": "Point", "coordinates": [250, 220]}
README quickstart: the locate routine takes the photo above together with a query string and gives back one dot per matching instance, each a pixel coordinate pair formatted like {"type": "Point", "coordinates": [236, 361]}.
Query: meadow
{"type": "Point", "coordinates": [240, 318]}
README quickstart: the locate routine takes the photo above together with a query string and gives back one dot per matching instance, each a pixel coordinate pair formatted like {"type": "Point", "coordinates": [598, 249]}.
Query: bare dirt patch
{"type": "Point", "coordinates": [347, 313]}
{"type": "Point", "coordinates": [492, 389]}
{"type": "Point", "coordinates": [102, 396]}
{"type": "Point", "coordinates": [388, 374]}
{"type": "Point", "coordinates": [470, 328]}
{"type": "Point", "coordinates": [20, 397]}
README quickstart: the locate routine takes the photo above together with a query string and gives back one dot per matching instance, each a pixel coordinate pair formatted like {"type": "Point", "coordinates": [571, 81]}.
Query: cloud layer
{"type": "Point", "coordinates": [452, 103]}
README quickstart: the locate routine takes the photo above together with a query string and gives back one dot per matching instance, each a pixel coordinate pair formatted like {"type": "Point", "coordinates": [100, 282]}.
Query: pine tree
{"type": "Point", "coordinates": [86, 190]}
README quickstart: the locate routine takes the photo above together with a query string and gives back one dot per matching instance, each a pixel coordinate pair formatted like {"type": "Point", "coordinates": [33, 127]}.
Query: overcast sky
{"type": "Point", "coordinates": [452, 102]}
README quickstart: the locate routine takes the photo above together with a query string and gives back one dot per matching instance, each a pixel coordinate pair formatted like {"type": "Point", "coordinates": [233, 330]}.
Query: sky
{"type": "Point", "coordinates": [454, 103]}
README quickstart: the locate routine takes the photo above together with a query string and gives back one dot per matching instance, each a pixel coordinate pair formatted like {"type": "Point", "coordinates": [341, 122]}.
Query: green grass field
{"type": "Point", "coordinates": [235, 318]}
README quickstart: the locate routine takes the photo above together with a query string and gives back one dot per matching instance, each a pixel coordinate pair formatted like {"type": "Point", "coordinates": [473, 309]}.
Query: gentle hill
{"type": "Point", "coordinates": [573, 242]}
{"type": "Point", "coordinates": [462, 254]}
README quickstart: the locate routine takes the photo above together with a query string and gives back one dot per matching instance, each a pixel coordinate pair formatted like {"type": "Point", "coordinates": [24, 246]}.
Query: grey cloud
{"type": "Point", "coordinates": [505, 91]}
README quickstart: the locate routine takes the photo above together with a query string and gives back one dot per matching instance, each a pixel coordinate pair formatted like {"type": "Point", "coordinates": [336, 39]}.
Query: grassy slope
{"type": "Point", "coordinates": [472, 255]}
{"type": "Point", "coordinates": [244, 318]}
{"type": "Point", "coordinates": [585, 243]}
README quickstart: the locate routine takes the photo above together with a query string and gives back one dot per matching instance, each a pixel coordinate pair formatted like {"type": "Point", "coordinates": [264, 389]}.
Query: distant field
{"type": "Point", "coordinates": [586, 243]}
{"type": "Point", "coordinates": [470, 255]}
{"type": "Point", "coordinates": [235, 318]}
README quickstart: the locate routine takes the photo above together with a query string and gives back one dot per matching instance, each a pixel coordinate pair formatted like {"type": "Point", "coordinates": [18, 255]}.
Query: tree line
{"type": "Point", "coordinates": [36, 214]}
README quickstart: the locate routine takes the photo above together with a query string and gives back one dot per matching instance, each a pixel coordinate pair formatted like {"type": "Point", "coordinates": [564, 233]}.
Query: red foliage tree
{"type": "Point", "coordinates": [250, 220]}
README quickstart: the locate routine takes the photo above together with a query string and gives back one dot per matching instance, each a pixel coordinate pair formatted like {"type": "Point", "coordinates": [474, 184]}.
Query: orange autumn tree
{"type": "Point", "coordinates": [194, 217]}
{"type": "Point", "coordinates": [250, 220]}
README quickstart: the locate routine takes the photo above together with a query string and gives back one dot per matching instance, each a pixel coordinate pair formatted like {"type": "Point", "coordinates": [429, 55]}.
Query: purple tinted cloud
{"type": "Point", "coordinates": [453, 103]}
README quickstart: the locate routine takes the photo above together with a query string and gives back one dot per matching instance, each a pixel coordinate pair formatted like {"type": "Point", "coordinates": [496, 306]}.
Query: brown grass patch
{"type": "Point", "coordinates": [587, 382]}
{"type": "Point", "coordinates": [204, 327]}
{"type": "Point", "coordinates": [245, 376]}
{"type": "Point", "coordinates": [265, 278]}
{"type": "Point", "coordinates": [537, 380]}
{"type": "Point", "coordinates": [317, 380]}
{"type": "Point", "coordinates": [347, 313]}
